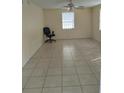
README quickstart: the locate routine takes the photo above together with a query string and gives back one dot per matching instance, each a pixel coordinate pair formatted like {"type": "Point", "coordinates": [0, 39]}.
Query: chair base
{"type": "Point", "coordinates": [50, 40]}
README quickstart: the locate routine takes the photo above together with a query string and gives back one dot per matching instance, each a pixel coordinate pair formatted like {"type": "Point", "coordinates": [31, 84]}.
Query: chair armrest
{"type": "Point", "coordinates": [52, 32]}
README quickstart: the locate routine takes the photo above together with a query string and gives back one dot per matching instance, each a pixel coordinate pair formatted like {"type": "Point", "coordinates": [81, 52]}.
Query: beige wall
{"type": "Point", "coordinates": [82, 29]}
{"type": "Point", "coordinates": [32, 23]}
{"type": "Point", "coordinates": [96, 33]}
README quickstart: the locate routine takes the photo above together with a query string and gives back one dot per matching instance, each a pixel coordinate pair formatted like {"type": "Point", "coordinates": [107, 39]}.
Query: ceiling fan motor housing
{"type": "Point", "coordinates": [71, 5]}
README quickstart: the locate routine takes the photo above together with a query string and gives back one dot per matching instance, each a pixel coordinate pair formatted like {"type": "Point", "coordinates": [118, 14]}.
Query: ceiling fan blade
{"type": "Point", "coordinates": [79, 7]}
{"type": "Point", "coordinates": [69, 0]}
{"type": "Point", "coordinates": [66, 6]}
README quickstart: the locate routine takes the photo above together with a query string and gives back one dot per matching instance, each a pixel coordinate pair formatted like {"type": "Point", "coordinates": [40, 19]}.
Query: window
{"type": "Point", "coordinates": [68, 20]}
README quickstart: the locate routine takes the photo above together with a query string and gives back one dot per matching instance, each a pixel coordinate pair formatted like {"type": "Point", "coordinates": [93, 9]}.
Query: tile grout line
{"type": "Point", "coordinates": [91, 70]}
{"type": "Point", "coordinates": [77, 73]}
{"type": "Point", "coordinates": [45, 77]}
{"type": "Point", "coordinates": [29, 77]}
{"type": "Point", "coordinates": [89, 65]}
{"type": "Point", "coordinates": [75, 67]}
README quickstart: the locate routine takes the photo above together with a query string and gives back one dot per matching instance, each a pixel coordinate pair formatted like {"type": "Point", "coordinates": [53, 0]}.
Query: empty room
{"type": "Point", "coordinates": [61, 46]}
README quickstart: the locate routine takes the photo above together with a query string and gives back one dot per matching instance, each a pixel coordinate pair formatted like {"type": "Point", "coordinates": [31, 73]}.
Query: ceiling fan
{"type": "Point", "coordinates": [70, 6]}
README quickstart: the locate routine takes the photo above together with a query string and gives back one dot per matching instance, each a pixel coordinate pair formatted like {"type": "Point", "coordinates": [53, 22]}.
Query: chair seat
{"type": "Point", "coordinates": [48, 34]}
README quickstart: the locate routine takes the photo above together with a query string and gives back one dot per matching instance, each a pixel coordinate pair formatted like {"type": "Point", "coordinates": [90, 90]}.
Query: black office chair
{"type": "Point", "coordinates": [49, 34]}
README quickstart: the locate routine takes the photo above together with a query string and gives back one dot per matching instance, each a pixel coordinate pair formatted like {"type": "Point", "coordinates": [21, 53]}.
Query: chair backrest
{"type": "Point", "coordinates": [46, 31]}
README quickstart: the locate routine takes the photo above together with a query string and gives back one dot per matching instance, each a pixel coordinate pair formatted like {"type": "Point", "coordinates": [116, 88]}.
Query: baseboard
{"type": "Point", "coordinates": [72, 38]}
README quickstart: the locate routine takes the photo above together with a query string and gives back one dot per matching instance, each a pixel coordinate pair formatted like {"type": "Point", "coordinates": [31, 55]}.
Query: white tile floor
{"type": "Point", "coordinates": [67, 66]}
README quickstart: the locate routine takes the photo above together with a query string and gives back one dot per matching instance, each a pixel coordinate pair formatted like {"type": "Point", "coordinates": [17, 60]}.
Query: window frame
{"type": "Point", "coordinates": [63, 22]}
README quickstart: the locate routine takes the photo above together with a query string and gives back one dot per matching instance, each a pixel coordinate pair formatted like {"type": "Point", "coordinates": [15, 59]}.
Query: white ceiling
{"type": "Point", "coordinates": [61, 3]}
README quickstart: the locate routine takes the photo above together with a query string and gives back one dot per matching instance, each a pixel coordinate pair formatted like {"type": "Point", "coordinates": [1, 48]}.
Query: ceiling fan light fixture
{"type": "Point", "coordinates": [69, 8]}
